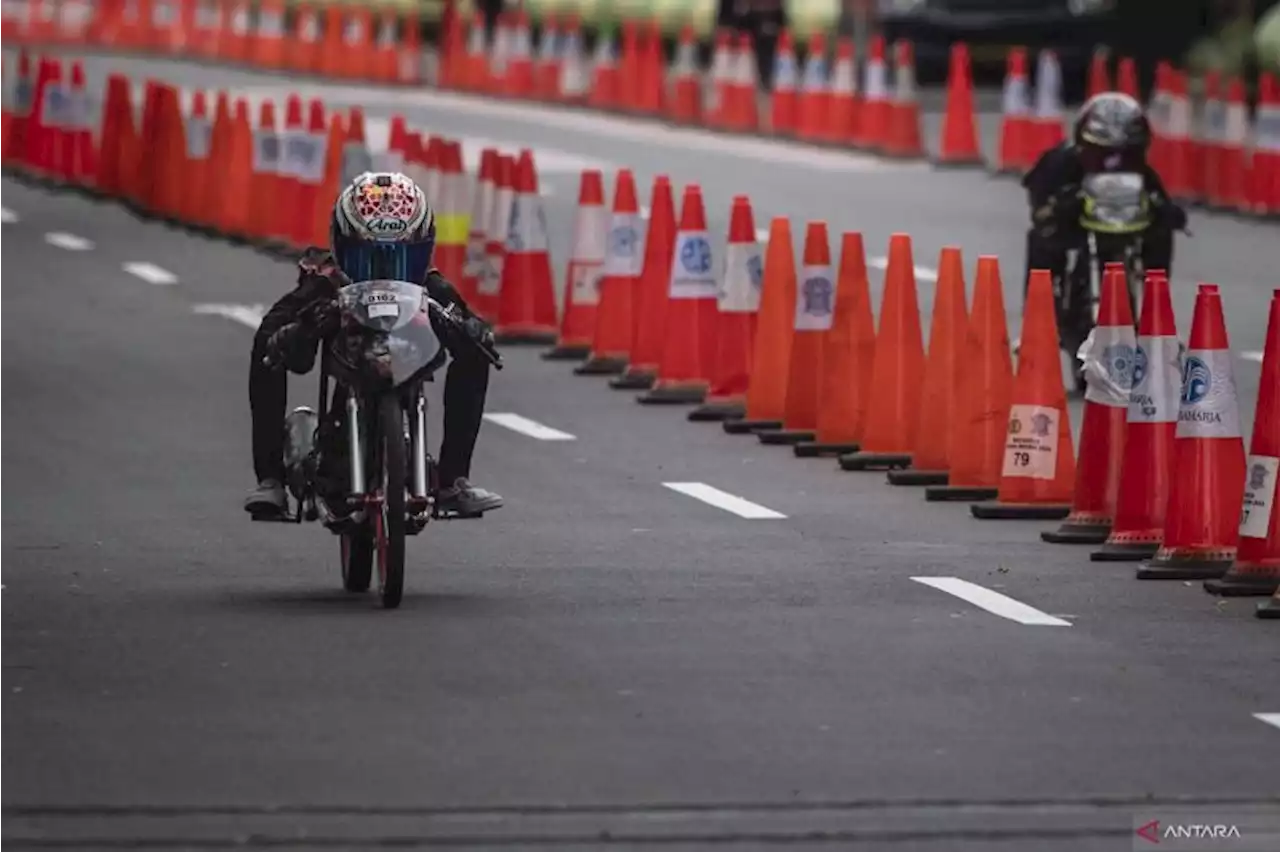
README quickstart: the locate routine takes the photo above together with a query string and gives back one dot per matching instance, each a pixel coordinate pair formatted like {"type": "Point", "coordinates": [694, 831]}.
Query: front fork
{"type": "Point", "coordinates": [419, 457]}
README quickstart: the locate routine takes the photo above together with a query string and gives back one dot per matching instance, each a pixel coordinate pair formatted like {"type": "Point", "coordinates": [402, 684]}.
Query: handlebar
{"type": "Point", "coordinates": [451, 315]}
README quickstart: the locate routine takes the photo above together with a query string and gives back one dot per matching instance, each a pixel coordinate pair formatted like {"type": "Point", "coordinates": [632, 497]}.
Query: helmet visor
{"type": "Point", "coordinates": [364, 261]}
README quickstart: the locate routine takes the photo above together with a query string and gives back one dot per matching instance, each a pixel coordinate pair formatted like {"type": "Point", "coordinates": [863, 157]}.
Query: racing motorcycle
{"type": "Point", "coordinates": [1116, 214]}
{"type": "Point", "coordinates": [391, 339]}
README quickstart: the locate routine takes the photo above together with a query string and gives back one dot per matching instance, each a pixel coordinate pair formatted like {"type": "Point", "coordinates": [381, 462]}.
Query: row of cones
{"type": "Point", "coordinates": [793, 356]}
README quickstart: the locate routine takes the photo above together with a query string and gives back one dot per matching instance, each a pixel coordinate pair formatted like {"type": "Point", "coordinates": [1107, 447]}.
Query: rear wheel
{"type": "Point", "coordinates": [389, 523]}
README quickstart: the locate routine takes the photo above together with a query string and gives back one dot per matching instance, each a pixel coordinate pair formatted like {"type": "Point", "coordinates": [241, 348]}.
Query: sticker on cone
{"type": "Point", "coordinates": [1209, 408]}
{"type": "Point", "coordinates": [1108, 355]}
{"type": "Point", "coordinates": [816, 299]}
{"type": "Point", "coordinates": [742, 260]}
{"type": "Point", "coordinates": [691, 275]}
{"type": "Point", "coordinates": [1157, 366]}
{"type": "Point", "coordinates": [1031, 450]}
{"type": "Point", "coordinates": [624, 256]}
{"type": "Point", "coordinates": [1259, 496]}
{"type": "Point", "coordinates": [528, 229]}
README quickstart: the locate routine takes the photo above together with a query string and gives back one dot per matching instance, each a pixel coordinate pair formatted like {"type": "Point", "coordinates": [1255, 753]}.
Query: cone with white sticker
{"type": "Point", "coordinates": [739, 302]}
{"type": "Point", "coordinates": [481, 213]}
{"type": "Point", "coordinates": [619, 283]}
{"type": "Point", "coordinates": [489, 284]}
{"type": "Point", "coordinates": [1039, 468]}
{"type": "Point", "coordinates": [527, 301]}
{"type": "Point", "coordinates": [1202, 523]}
{"type": "Point", "coordinates": [1150, 424]}
{"type": "Point", "coordinates": [814, 313]}
{"type": "Point", "coordinates": [690, 317]}
{"type": "Point", "coordinates": [1108, 355]}
{"type": "Point", "coordinates": [1257, 567]}
{"type": "Point", "coordinates": [582, 277]}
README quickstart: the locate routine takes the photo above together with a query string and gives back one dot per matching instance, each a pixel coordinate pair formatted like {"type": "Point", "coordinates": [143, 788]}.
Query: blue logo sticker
{"type": "Point", "coordinates": [623, 240]}
{"type": "Point", "coordinates": [1257, 477]}
{"type": "Point", "coordinates": [1197, 380]}
{"type": "Point", "coordinates": [755, 270]}
{"type": "Point", "coordinates": [1118, 360]}
{"type": "Point", "coordinates": [1139, 366]}
{"type": "Point", "coordinates": [816, 296]}
{"type": "Point", "coordinates": [695, 256]}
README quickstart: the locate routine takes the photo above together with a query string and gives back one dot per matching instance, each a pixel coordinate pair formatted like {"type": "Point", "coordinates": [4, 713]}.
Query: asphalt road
{"type": "Point", "coordinates": [606, 661]}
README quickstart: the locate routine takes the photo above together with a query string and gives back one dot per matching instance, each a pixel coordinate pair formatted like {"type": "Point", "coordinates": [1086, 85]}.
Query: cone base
{"type": "Point", "coordinates": [715, 412]}
{"type": "Point", "coordinates": [874, 461]}
{"type": "Point", "coordinates": [918, 477]}
{"type": "Point", "coordinates": [1124, 551]}
{"type": "Point", "coordinates": [601, 365]}
{"type": "Point", "coordinates": [996, 511]}
{"type": "Point", "coordinates": [1186, 568]}
{"type": "Point", "coordinates": [524, 337]}
{"type": "Point", "coordinates": [1078, 532]}
{"type": "Point", "coordinates": [633, 380]}
{"type": "Point", "coordinates": [749, 427]}
{"type": "Point", "coordinates": [673, 395]}
{"type": "Point", "coordinates": [1243, 586]}
{"type": "Point", "coordinates": [1270, 609]}
{"type": "Point", "coordinates": [784, 437]}
{"type": "Point", "coordinates": [568, 352]}
{"type": "Point", "coordinates": [818, 449]}
{"type": "Point", "coordinates": [959, 494]}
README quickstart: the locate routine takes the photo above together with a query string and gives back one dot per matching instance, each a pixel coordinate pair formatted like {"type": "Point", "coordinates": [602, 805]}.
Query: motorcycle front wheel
{"type": "Point", "coordinates": [389, 523]}
{"type": "Point", "coordinates": [357, 559]}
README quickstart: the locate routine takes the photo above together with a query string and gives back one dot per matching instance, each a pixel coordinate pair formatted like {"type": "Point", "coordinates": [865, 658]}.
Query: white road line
{"type": "Point", "coordinates": [1255, 357]}
{"type": "Point", "coordinates": [923, 273]}
{"type": "Point", "coordinates": [250, 315]}
{"type": "Point", "coordinates": [525, 426]}
{"type": "Point", "coordinates": [762, 235]}
{"type": "Point", "coordinates": [724, 500]}
{"type": "Point", "coordinates": [993, 602]}
{"type": "Point", "coordinates": [1272, 719]}
{"type": "Point", "coordinates": [70, 242]}
{"type": "Point", "coordinates": [151, 273]}
{"type": "Point", "coordinates": [7, 216]}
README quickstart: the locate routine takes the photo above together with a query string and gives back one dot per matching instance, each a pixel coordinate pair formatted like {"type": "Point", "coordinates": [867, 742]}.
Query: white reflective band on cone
{"type": "Point", "coordinates": [527, 230]}
{"type": "Point", "coordinates": [743, 278]}
{"type": "Point", "coordinates": [1108, 354]}
{"type": "Point", "coordinates": [1157, 380]}
{"type": "Point", "coordinates": [266, 152]}
{"type": "Point", "coordinates": [1208, 408]}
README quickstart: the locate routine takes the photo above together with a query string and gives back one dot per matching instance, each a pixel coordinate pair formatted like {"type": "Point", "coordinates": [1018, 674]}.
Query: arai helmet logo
{"type": "Point", "coordinates": [386, 227]}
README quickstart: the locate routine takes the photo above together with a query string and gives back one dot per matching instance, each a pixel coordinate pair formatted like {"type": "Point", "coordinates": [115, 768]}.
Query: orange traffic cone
{"type": "Point", "coordinates": [943, 373]}
{"type": "Point", "coordinates": [1201, 528]}
{"type": "Point", "coordinates": [1039, 460]}
{"type": "Point", "coordinates": [648, 333]}
{"type": "Point", "coordinates": [986, 383]}
{"type": "Point", "coordinates": [848, 355]}
{"type": "Point", "coordinates": [619, 283]}
{"type": "Point", "coordinates": [1257, 567]}
{"type": "Point", "coordinates": [771, 364]}
{"type": "Point", "coordinates": [481, 212]}
{"type": "Point", "coordinates": [489, 285]}
{"type": "Point", "coordinates": [312, 146]}
{"type": "Point", "coordinates": [892, 423]}
{"type": "Point", "coordinates": [736, 319]}
{"type": "Point", "coordinates": [959, 145]}
{"type": "Point", "coordinates": [582, 277]}
{"type": "Point", "coordinates": [815, 310]}
{"type": "Point", "coordinates": [1015, 154]}
{"type": "Point", "coordinates": [118, 137]}
{"type": "Point", "coordinates": [690, 317]}
{"type": "Point", "coordinates": [266, 180]}
{"type": "Point", "coordinates": [527, 301]}
{"type": "Point", "coordinates": [1109, 356]}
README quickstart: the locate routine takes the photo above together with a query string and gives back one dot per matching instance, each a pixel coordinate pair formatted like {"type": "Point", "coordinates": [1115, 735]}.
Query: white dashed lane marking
{"type": "Point", "coordinates": [525, 426]}
{"type": "Point", "coordinates": [1255, 357]}
{"type": "Point", "coordinates": [724, 500]}
{"type": "Point", "coordinates": [151, 273]}
{"type": "Point", "coordinates": [70, 242]}
{"type": "Point", "coordinates": [1272, 719]}
{"type": "Point", "coordinates": [7, 216]}
{"type": "Point", "coordinates": [250, 315]}
{"type": "Point", "coordinates": [923, 273]}
{"type": "Point", "coordinates": [993, 602]}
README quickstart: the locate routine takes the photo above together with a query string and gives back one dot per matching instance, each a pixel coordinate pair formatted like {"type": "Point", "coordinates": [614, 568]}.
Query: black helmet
{"type": "Point", "coordinates": [1114, 121]}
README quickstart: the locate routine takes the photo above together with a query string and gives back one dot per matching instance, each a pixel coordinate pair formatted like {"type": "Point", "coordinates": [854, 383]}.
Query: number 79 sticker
{"type": "Point", "coordinates": [1031, 447]}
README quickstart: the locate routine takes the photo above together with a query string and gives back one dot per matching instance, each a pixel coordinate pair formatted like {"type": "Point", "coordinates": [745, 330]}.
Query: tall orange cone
{"type": "Point", "coordinates": [771, 364]}
{"type": "Point", "coordinates": [959, 144]}
{"type": "Point", "coordinates": [527, 302]}
{"type": "Point", "coordinates": [489, 285]}
{"type": "Point", "coordinates": [1201, 528]}
{"type": "Point", "coordinates": [815, 311]}
{"type": "Point", "coordinates": [1147, 465]}
{"type": "Point", "coordinates": [582, 276]}
{"type": "Point", "coordinates": [648, 332]}
{"type": "Point", "coordinates": [1257, 567]}
{"type": "Point", "coordinates": [942, 375]}
{"type": "Point", "coordinates": [986, 384]}
{"type": "Point", "coordinates": [1108, 356]}
{"type": "Point", "coordinates": [690, 318]}
{"type": "Point", "coordinates": [739, 301]}
{"type": "Point", "coordinates": [1039, 460]}
{"type": "Point", "coordinates": [619, 283]}
{"type": "Point", "coordinates": [848, 355]}
{"type": "Point", "coordinates": [898, 371]}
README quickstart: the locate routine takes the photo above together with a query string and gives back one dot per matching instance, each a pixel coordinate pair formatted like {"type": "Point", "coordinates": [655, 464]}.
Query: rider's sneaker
{"type": "Point", "coordinates": [267, 499]}
{"type": "Point", "coordinates": [466, 499]}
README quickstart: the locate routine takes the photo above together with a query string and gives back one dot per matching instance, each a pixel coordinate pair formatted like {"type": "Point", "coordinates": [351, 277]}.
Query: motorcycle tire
{"type": "Point", "coordinates": [357, 559]}
{"type": "Point", "coordinates": [390, 524]}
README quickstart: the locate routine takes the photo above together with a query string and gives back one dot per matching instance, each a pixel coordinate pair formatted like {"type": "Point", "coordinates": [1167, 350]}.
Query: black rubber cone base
{"type": "Point", "coordinates": [816, 449]}
{"type": "Point", "coordinates": [1123, 551]}
{"type": "Point", "coordinates": [1270, 609]}
{"type": "Point", "coordinates": [1243, 586]}
{"type": "Point", "coordinates": [1077, 532]}
{"type": "Point", "coordinates": [995, 511]}
{"type": "Point", "coordinates": [918, 477]}
{"type": "Point", "coordinates": [601, 366]}
{"type": "Point", "coordinates": [1165, 568]}
{"type": "Point", "coordinates": [633, 380]}
{"type": "Point", "coordinates": [784, 437]}
{"type": "Point", "coordinates": [749, 427]}
{"type": "Point", "coordinates": [959, 494]}
{"type": "Point", "coordinates": [567, 353]}
{"type": "Point", "coordinates": [673, 395]}
{"type": "Point", "coordinates": [525, 338]}
{"type": "Point", "coordinates": [716, 412]}
{"type": "Point", "coordinates": [874, 461]}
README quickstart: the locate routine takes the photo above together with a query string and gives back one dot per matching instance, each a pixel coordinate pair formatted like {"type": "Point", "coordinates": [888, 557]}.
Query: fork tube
{"type": "Point", "coordinates": [420, 445]}
{"type": "Point", "coordinates": [355, 444]}
{"type": "Point", "coordinates": [1095, 285]}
